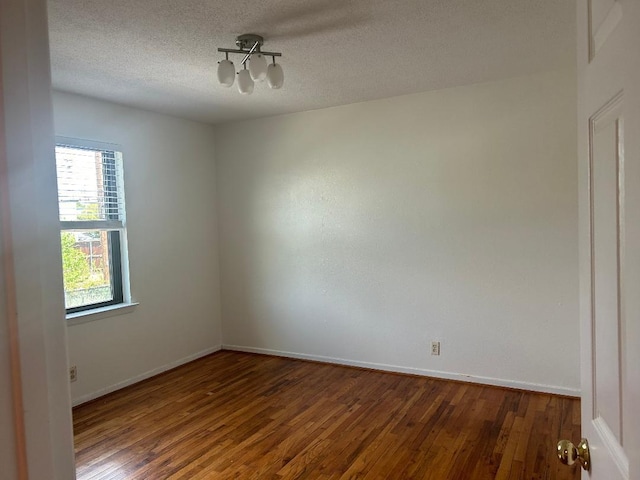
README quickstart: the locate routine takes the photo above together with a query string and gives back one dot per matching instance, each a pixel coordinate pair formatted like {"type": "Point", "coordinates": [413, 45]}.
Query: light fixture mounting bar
{"type": "Point", "coordinates": [235, 50]}
{"type": "Point", "coordinates": [248, 55]}
{"type": "Point", "coordinates": [248, 44]}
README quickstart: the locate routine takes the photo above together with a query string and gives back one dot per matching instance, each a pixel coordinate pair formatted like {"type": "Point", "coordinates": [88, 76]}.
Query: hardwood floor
{"type": "Point", "coordinates": [245, 416]}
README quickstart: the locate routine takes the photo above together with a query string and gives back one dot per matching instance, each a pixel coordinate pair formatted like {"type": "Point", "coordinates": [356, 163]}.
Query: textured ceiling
{"type": "Point", "coordinates": [161, 55]}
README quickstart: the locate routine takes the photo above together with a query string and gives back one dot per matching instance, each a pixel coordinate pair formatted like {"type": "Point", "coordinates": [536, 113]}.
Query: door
{"type": "Point", "coordinates": [609, 184]}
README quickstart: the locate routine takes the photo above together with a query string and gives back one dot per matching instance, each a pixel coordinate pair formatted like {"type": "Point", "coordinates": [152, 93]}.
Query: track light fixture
{"type": "Point", "coordinates": [250, 46]}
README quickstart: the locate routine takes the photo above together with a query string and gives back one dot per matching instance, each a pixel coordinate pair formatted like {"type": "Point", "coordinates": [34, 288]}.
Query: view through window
{"type": "Point", "coordinates": [91, 205]}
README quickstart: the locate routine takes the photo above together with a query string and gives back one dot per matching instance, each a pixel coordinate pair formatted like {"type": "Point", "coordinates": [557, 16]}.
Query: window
{"type": "Point", "coordinates": [92, 224]}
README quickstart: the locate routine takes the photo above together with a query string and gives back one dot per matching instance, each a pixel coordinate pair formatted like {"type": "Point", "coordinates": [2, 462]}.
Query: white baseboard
{"type": "Point", "coordinates": [138, 378]}
{"type": "Point", "coordinates": [498, 382]}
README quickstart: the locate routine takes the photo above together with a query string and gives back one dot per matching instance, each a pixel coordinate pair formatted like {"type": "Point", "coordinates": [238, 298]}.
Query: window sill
{"type": "Point", "coordinates": [100, 313]}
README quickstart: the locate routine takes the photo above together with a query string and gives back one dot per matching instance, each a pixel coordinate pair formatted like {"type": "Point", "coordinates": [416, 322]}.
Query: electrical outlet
{"type": "Point", "coordinates": [73, 373]}
{"type": "Point", "coordinates": [435, 348]}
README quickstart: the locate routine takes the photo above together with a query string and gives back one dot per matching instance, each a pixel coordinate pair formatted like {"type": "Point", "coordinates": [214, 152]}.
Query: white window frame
{"type": "Point", "coordinates": [96, 311]}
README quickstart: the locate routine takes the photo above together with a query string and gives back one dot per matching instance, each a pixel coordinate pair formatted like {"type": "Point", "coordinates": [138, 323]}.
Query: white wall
{"type": "Point", "coordinates": [170, 199]}
{"type": "Point", "coordinates": [360, 233]}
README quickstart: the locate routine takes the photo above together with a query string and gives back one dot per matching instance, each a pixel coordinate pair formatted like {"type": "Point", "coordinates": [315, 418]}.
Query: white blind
{"type": "Point", "coordinates": [90, 193]}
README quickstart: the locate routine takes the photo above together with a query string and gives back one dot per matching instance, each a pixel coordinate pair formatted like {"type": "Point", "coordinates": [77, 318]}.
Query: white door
{"type": "Point", "coordinates": [609, 185]}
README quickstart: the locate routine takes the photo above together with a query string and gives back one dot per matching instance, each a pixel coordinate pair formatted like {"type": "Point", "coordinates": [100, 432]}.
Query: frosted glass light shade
{"type": "Point", "coordinates": [245, 82]}
{"type": "Point", "coordinates": [275, 76]}
{"type": "Point", "coordinates": [258, 67]}
{"type": "Point", "coordinates": [226, 73]}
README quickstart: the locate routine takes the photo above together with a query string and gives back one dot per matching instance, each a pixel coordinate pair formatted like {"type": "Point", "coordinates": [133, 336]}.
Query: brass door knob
{"type": "Point", "coordinates": [568, 453]}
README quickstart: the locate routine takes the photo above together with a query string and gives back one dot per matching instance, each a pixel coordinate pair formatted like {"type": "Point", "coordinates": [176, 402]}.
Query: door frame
{"type": "Point", "coordinates": [32, 277]}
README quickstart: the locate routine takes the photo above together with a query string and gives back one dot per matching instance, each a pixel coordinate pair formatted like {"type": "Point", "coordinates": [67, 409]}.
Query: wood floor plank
{"type": "Point", "coordinates": [236, 415]}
